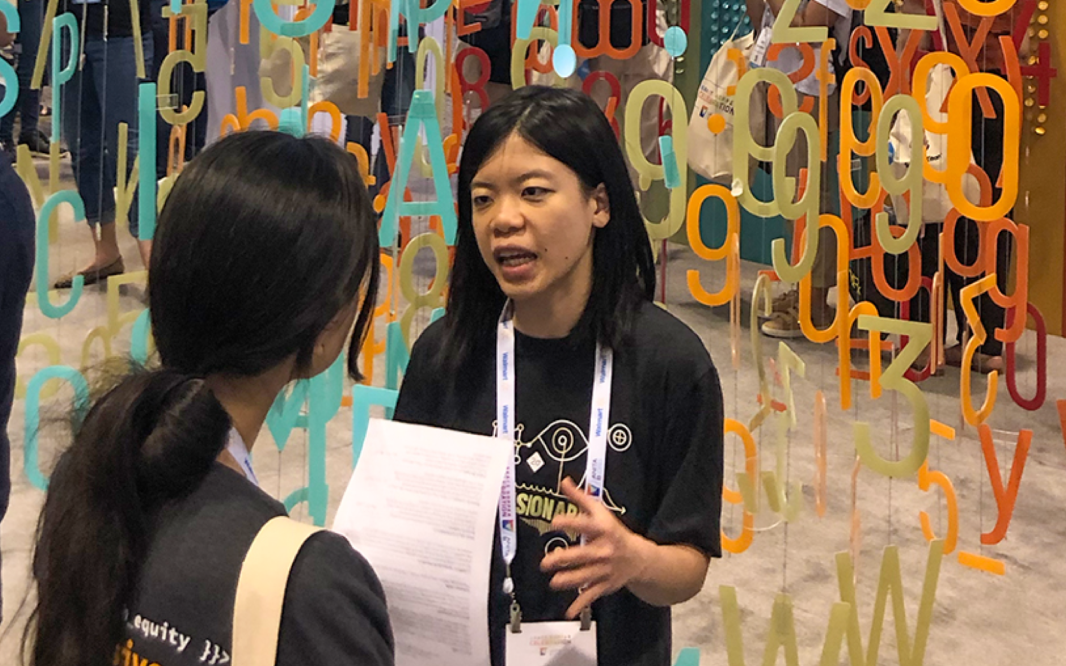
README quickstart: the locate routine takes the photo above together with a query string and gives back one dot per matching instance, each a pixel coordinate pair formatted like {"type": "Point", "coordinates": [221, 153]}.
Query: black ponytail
{"type": "Point", "coordinates": [263, 241]}
{"type": "Point", "coordinates": [147, 441]}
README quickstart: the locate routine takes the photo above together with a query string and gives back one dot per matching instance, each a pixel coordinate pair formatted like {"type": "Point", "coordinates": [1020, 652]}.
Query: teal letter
{"type": "Point", "coordinates": [33, 414]}
{"type": "Point", "coordinates": [294, 121]}
{"type": "Point", "coordinates": [325, 402]}
{"type": "Point", "coordinates": [62, 74]}
{"type": "Point", "coordinates": [11, 81]}
{"type": "Point", "coordinates": [415, 17]}
{"type": "Point", "coordinates": [74, 199]}
{"type": "Point", "coordinates": [313, 23]}
{"type": "Point", "coordinates": [527, 14]}
{"type": "Point", "coordinates": [146, 149]}
{"type": "Point", "coordinates": [397, 356]}
{"type": "Point", "coordinates": [363, 397]}
{"type": "Point", "coordinates": [139, 342]}
{"type": "Point", "coordinates": [671, 175]}
{"type": "Point", "coordinates": [284, 414]}
{"type": "Point", "coordinates": [422, 114]}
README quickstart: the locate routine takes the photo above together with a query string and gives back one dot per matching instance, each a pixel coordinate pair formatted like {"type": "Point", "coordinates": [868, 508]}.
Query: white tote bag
{"type": "Point", "coordinates": [710, 129]}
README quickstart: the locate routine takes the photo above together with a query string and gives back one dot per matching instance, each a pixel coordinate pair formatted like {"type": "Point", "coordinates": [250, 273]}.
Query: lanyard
{"type": "Point", "coordinates": [599, 423]}
{"type": "Point", "coordinates": [236, 447]}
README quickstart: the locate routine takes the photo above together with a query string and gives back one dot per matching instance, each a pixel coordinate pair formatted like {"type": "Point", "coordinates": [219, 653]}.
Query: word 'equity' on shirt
{"type": "Point", "coordinates": [163, 632]}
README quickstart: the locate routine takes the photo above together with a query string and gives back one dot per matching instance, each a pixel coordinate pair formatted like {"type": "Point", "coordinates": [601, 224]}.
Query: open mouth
{"type": "Point", "coordinates": [511, 258]}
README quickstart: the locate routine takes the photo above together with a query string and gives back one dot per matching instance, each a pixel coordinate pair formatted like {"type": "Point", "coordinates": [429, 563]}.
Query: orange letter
{"type": "Point", "coordinates": [1005, 499]}
{"type": "Point", "coordinates": [751, 467]}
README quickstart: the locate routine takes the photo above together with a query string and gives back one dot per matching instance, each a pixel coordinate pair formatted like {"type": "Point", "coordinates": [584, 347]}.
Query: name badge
{"type": "Point", "coordinates": [762, 45]}
{"type": "Point", "coordinates": [552, 644]}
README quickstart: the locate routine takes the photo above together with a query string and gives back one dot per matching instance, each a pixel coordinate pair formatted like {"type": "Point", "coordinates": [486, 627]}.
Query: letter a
{"type": "Point", "coordinates": [421, 115]}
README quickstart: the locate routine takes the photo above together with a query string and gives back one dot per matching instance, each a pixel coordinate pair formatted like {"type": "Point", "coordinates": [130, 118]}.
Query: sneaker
{"type": "Point", "coordinates": [786, 301]}
{"type": "Point", "coordinates": [783, 325]}
{"type": "Point", "coordinates": [782, 303]}
{"type": "Point", "coordinates": [786, 324]}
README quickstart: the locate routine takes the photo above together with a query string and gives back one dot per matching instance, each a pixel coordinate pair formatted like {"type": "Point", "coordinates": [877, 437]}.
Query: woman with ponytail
{"type": "Point", "coordinates": [265, 256]}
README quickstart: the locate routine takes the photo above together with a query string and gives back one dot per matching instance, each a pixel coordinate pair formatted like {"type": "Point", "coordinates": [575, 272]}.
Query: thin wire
{"type": "Point", "coordinates": [101, 96]}
{"type": "Point", "coordinates": [306, 475]}
{"type": "Point", "coordinates": [981, 500]}
{"type": "Point", "coordinates": [784, 485]}
{"type": "Point", "coordinates": [736, 391]}
{"type": "Point", "coordinates": [895, 447]}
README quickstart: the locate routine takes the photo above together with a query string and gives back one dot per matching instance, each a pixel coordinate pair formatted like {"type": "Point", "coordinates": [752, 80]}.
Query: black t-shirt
{"type": "Point", "coordinates": [664, 458]}
{"type": "Point", "coordinates": [182, 615]}
{"type": "Point", "coordinates": [118, 15]}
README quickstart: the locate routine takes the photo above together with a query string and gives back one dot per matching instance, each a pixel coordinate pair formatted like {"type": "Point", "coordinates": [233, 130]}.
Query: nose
{"type": "Point", "coordinates": [507, 217]}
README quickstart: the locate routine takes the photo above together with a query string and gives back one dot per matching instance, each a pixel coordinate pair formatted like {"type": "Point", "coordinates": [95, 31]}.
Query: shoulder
{"type": "Point", "coordinates": [421, 382]}
{"type": "Point", "coordinates": [233, 500]}
{"type": "Point", "coordinates": [659, 338]}
{"type": "Point", "coordinates": [209, 530]}
{"type": "Point", "coordinates": [198, 545]}
{"type": "Point", "coordinates": [335, 609]}
{"type": "Point", "coordinates": [421, 373]}
{"type": "Point", "coordinates": [427, 345]}
{"type": "Point", "coordinates": [327, 557]}
{"type": "Point", "coordinates": [14, 194]}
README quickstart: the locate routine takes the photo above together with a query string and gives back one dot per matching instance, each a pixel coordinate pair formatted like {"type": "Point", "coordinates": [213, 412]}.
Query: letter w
{"type": "Point", "coordinates": [891, 581]}
{"type": "Point", "coordinates": [782, 631]}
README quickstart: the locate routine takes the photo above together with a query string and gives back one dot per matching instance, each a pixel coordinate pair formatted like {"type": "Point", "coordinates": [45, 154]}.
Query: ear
{"type": "Point", "coordinates": [332, 340]}
{"type": "Point", "coordinates": [600, 204]}
{"type": "Point", "coordinates": [322, 343]}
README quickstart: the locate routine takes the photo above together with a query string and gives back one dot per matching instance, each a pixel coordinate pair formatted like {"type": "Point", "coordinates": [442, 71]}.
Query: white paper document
{"type": "Point", "coordinates": [421, 508]}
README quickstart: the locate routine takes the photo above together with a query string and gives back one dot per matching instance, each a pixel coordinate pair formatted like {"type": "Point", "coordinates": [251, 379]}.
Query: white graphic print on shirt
{"type": "Point", "coordinates": [555, 453]}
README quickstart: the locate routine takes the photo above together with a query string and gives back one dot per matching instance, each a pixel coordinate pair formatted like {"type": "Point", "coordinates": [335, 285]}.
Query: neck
{"type": "Point", "coordinates": [247, 401]}
{"type": "Point", "coordinates": [555, 312]}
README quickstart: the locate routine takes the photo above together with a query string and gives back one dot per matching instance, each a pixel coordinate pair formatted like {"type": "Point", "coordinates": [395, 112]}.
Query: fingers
{"type": "Point", "coordinates": [570, 558]}
{"type": "Point", "coordinates": [582, 523]}
{"type": "Point", "coordinates": [593, 519]}
{"type": "Point", "coordinates": [585, 599]}
{"type": "Point", "coordinates": [583, 500]}
{"type": "Point", "coordinates": [586, 576]}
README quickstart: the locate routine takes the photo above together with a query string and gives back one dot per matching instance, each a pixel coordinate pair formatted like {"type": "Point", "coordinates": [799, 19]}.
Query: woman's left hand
{"type": "Point", "coordinates": [611, 557]}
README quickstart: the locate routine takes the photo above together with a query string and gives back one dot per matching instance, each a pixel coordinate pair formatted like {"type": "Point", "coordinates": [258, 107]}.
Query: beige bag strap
{"type": "Point", "coordinates": [261, 590]}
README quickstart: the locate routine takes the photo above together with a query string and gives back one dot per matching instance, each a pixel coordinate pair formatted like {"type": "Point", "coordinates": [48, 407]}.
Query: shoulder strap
{"type": "Point", "coordinates": [261, 590]}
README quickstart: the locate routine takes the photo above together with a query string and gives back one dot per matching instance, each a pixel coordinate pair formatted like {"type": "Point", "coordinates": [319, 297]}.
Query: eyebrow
{"type": "Point", "coordinates": [528, 175]}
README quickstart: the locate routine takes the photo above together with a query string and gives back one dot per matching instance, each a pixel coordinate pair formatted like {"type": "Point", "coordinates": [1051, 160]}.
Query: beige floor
{"type": "Point", "coordinates": [978, 619]}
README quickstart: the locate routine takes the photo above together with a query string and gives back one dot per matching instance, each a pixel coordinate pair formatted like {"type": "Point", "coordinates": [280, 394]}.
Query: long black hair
{"type": "Point", "coordinates": [263, 241]}
{"type": "Point", "coordinates": [569, 127]}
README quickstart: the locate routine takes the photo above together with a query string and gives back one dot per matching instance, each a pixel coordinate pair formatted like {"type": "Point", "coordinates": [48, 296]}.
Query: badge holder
{"type": "Point", "coordinates": [585, 619]}
{"type": "Point", "coordinates": [762, 45]}
{"type": "Point", "coordinates": [550, 643]}
{"type": "Point", "coordinates": [516, 618]}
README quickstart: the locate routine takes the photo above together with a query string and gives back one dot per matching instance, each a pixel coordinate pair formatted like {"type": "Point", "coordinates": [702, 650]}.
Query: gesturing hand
{"type": "Point", "coordinates": [611, 558]}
